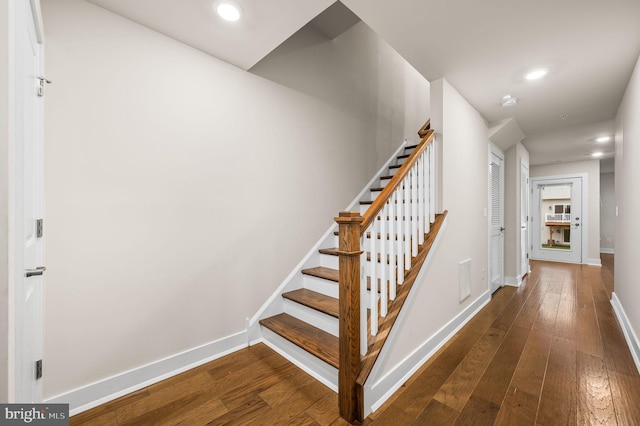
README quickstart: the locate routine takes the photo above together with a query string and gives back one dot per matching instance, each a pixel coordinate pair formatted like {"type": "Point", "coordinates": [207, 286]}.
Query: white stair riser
{"type": "Point", "coordinates": [320, 285]}
{"type": "Point", "coordinates": [311, 316]}
{"type": "Point", "coordinates": [313, 365]}
{"type": "Point", "coordinates": [329, 261]}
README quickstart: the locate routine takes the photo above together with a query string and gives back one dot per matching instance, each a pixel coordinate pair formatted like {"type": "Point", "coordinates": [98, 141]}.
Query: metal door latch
{"type": "Point", "coordinates": [41, 85]}
{"type": "Point", "coordinates": [33, 272]}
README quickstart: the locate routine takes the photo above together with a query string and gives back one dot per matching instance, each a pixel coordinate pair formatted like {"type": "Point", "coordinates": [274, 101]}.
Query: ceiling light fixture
{"type": "Point", "coordinates": [536, 74]}
{"type": "Point", "coordinates": [603, 139]}
{"type": "Point", "coordinates": [509, 101]}
{"type": "Point", "coordinates": [597, 154]}
{"type": "Point", "coordinates": [228, 11]}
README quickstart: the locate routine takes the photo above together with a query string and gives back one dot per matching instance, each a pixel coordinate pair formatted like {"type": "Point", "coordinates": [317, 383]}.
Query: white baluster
{"type": "Point", "coordinates": [420, 200]}
{"type": "Point", "coordinates": [399, 237]}
{"type": "Point", "coordinates": [373, 305]}
{"type": "Point", "coordinates": [383, 260]}
{"type": "Point", "coordinates": [363, 295]}
{"type": "Point", "coordinates": [414, 211]}
{"type": "Point", "coordinates": [407, 223]}
{"type": "Point", "coordinates": [432, 180]}
{"type": "Point", "coordinates": [427, 189]}
{"type": "Point", "coordinates": [392, 245]}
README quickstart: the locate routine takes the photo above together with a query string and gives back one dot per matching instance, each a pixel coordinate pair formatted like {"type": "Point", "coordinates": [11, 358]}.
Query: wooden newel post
{"type": "Point", "coordinates": [350, 401]}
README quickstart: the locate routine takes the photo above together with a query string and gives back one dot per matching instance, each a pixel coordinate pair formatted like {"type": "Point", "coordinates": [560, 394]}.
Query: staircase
{"type": "Point", "coordinates": [305, 320]}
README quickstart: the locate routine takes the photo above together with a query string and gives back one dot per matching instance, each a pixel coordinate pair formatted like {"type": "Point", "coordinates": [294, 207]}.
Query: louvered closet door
{"type": "Point", "coordinates": [496, 221]}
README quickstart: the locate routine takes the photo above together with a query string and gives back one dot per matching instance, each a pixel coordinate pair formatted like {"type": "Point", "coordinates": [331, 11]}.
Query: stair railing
{"type": "Point", "coordinates": [376, 250]}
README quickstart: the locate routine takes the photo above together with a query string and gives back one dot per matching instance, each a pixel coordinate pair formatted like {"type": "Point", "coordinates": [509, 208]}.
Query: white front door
{"type": "Point", "coordinates": [28, 205]}
{"type": "Point", "coordinates": [496, 220]}
{"type": "Point", "coordinates": [524, 219]}
{"type": "Point", "coordinates": [557, 212]}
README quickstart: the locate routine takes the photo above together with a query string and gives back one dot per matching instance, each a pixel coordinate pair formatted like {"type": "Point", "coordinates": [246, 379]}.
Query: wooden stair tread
{"type": "Point", "coordinates": [367, 202]}
{"type": "Point", "coordinates": [330, 251]}
{"type": "Point", "coordinates": [322, 272]}
{"type": "Point", "coordinates": [368, 235]}
{"type": "Point", "coordinates": [313, 340]}
{"type": "Point", "coordinates": [318, 301]}
{"type": "Point", "coordinates": [411, 147]}
{"type": "Point", "coordinates": [403, 156]}
{"type": "Point", "coordinates": [395, 166]}
{"type": "Point", "coordinates": [334, 251]}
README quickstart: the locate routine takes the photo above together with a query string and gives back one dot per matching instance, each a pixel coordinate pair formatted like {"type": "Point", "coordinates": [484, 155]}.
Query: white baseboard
{"type": "Point", "coordinates": [629, 334]}
{"type": "Point", "coordinates": [593, 262]}
{"type": "Point", "coordinates": [513, 281]}
{"type": "Point", "coordinates": [106, 390]}
{"type": "Point", "coordinates": [607, 250]}
{"type": "Point", "coordinates": [384, 388]}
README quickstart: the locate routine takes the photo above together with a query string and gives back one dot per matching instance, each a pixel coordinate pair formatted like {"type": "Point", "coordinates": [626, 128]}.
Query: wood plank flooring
{"type": "Point", "coordinates": [550, 352]}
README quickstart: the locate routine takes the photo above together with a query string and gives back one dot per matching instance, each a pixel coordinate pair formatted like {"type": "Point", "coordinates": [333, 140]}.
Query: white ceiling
{"type": "Point", "coordinates": [265, 24]}
{"type": "Point", "coordinates": [482, 48]}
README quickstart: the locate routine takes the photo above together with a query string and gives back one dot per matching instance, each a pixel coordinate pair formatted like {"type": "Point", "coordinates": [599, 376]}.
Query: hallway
{"type": "Point", "coordinates": [550, 352]}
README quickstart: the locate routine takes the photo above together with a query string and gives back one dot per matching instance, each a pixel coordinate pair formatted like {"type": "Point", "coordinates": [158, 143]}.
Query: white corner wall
{"type": "Point", "coordinates": [434, 312]}
{"type": "Point", "coordinates": [592, 203]}
{"type": "Point", "coordinates": [179, 192]}
{"type": "Point", "coordinates": [626, 295]}
{"type": "Point", "coordinates": [514, 157]}
{"type": "Point", "coordinates": [5, 138]}
{"type": "Point", "coordinates": [607, 212]}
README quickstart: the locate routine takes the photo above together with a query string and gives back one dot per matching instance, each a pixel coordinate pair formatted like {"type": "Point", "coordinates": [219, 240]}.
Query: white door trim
{"type": "Point", "coordinates": [19, 388]}
{"type": "Point", "coordinates": [524, 196]}
{"type": "Point", "coordinates": [584, 227]}
{"type": "Point", "coordinates": [494, 150]}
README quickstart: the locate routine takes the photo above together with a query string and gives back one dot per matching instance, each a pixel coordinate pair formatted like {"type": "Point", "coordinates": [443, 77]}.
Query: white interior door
{"type": "Point", "coordinates": [28, 204]}
{"type": "Point", "coordinates": [557, 212]}
{"type": "Point", "coordinates": [524, 219]}
{"type": "Point", "coordinates": [496, 220]}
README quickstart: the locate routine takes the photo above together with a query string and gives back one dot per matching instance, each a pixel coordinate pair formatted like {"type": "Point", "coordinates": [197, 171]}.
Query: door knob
{"type": "Point", "coordinates": [501, 228]}
{"type": "Point", "coordinates": [33, 272]}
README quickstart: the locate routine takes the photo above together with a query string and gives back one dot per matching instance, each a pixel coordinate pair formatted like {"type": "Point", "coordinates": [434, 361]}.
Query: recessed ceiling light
{"type": "Point", "coordinates": [597, 154]}
{"type": "Point", "coordinates": [229, 11]}
{"type": "Point", "coordinates": [603, 139]}
{"type": "Point", "coordinates": [536, 74]}
{"type": "Point", "coordinates": [508, 101]}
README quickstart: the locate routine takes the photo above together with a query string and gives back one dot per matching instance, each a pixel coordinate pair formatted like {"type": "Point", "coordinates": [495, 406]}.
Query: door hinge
{"type": "Point", "coordinates": [41, 83]}
{"type": "Point", "coordinates": [39, 229]}
{"type": "Point", "coordinates": [38, 369]}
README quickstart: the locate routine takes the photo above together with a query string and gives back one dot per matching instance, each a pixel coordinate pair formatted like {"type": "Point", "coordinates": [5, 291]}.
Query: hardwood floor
{"type": "Point", "coordinates": [550, 352]}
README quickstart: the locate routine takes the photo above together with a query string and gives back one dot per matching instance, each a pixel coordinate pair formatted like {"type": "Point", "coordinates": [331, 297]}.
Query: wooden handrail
{"type": "Point", "coordinates": [372, 212]}
{"type": "Point", "coordinates": [423, 130]}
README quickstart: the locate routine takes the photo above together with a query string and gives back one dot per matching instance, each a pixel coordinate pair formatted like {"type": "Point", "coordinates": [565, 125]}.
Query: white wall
{"type": "Point", "coordinates": [180, 191]}
{"type": "Point", "coordinates": [514, 157]}
{"type": "Point", "coordinates": [5, 138]}
{"type": "Point", "coordinates": [627, 290]}
{"type": "Point", "coordinates": [435, 306]}
{"type": "Point", "coordinates": [607, 212]}
{"type": "Point", "coordinates": [592, 204]}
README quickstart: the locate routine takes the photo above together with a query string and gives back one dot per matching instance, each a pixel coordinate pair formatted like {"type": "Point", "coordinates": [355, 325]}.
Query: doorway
{"type": "Point", "coordinates": [524, 219]}
{"type": "Point", "coordinates": [496, 219]}
{"type": "Point", "coordinates": [557, 219]}
{"type": "Point", "coordinates": [27, 204]}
